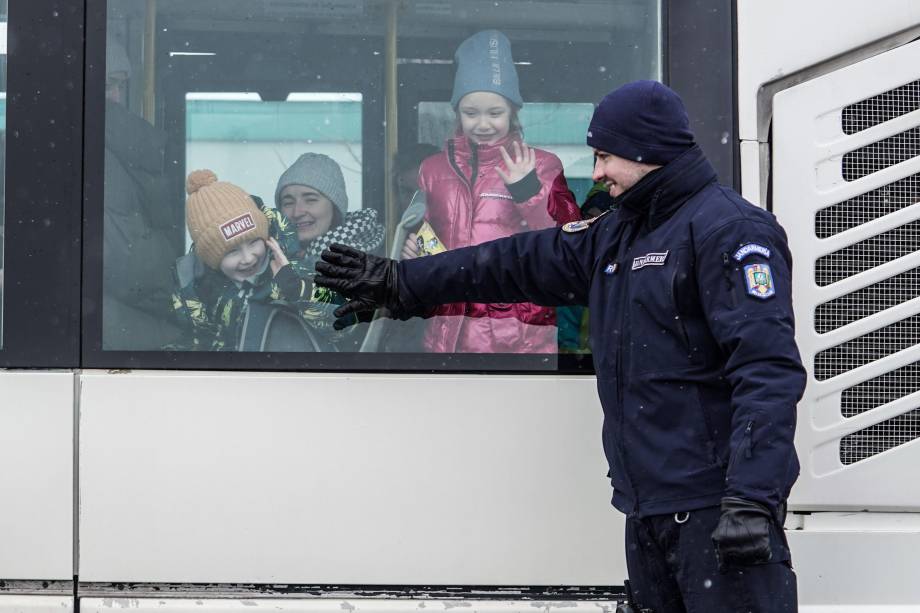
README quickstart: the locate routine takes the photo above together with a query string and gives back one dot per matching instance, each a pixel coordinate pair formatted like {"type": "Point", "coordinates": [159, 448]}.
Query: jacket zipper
{"type": "Point", "coordinates": [727, 272]}
{"type": "Point", "coordinates": [747, 444]}
{"type": "Point", "coordinates": [680, 320]}
{"type": "Point", "coordinates": [451, 156]}
{"type": "Point", "coordinates": [624, 322]}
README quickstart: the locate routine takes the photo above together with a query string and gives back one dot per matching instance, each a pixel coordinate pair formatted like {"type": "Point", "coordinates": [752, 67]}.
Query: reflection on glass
{"type": "Point", "coordinates": [141, 237]}
{"type": "Point", "coordinates": [286, 107]}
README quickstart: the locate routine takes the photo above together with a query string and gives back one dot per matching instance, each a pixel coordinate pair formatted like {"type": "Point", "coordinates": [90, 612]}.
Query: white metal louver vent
{"type": "Point", "coordinates": [864, 208]}
{"type": "Point", "coordinates": [881, 154]}
{"type": "Point", "coordinates": [846, 187]}
{"type": "Point", "coordinates": [881, 108]}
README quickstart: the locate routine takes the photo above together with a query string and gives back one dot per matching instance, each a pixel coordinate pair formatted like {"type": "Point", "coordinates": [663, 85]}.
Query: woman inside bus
{"type": "Point", "coordinates": [487, 184]}
{"type": "Point", "coordinates": [311, 193]}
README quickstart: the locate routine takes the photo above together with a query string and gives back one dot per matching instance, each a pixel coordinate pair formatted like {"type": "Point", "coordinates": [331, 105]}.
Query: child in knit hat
{"type": "Point", "coordinates": [487, 184]}
{"type": "Point", "coordinates": [244, 247]}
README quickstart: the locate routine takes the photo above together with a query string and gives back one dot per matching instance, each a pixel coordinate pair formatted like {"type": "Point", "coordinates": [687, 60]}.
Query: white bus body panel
{"type": "Point", "coordinates": [36, 480]}
{"type": "Point", "coordinates": [808, 145]}
{"type": "Point", "coordinates": [15, 603]}
{"type": "Point", "coordinates": [780, 37]}
{"type": "Point", "coordinates": [856, 561]}
{"type": "Point", "coordinates": [357, 479]}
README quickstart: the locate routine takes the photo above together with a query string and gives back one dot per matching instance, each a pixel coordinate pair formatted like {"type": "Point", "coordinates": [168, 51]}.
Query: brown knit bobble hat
{"type": "Point", "coordinates": [220, 216]}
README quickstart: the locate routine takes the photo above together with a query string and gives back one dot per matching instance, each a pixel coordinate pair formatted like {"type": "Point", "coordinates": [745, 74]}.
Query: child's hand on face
{"type": "Point", "coordinates": [278, 259]}
{"type": "Point", "coordinates": [410, 248]}
{"type": "Point", "coordinates": [520, 166]}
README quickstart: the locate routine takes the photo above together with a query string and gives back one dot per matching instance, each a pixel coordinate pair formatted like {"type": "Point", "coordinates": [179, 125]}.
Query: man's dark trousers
{"type": "Point", "coordinates": [673, 568]}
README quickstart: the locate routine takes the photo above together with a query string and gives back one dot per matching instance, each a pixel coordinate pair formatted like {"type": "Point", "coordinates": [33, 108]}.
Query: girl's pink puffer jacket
{"type": "Point", "coordinates": [464, 213]}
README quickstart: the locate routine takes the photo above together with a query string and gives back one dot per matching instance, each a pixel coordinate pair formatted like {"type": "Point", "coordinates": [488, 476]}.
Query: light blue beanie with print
{"type": "Point", "coordinates": [484, 64]}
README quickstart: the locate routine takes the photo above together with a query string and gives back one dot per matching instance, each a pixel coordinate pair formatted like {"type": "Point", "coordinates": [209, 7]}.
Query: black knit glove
{"type": "Point", "coordinates": [742, 537]}
{"type": "Point", "coordinates": [367, 281]}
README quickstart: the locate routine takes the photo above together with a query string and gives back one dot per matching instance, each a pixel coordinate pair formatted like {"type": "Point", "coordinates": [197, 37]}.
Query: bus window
{"type": "Point", "coordinates": [242, 141]}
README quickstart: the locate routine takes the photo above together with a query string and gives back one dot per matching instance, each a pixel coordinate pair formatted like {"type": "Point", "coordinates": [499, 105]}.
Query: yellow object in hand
{"type": "Point", "coordinates": [427, 241]}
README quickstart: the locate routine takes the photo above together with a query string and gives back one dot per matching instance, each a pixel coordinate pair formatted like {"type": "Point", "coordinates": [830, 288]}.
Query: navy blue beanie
{"type": "Point", "coordinates": [643, 121]}
{"type": "Point", "coordinates": [484, 64]}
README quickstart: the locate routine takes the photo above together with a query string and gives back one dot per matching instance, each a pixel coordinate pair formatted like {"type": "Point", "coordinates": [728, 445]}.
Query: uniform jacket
{"type": "Point", "coordinates": [468, 204]}
{"type": "Point", "coordinates": [689, 292]}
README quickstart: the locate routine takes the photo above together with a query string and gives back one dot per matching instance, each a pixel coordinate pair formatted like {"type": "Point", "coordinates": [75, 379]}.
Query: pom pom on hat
{"type": "Point", "coordinates": [220, 216]}
{"type": "Point", "coordinates": [198, 179]}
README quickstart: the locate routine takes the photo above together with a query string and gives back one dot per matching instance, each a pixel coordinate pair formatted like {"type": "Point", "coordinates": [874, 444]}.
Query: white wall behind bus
{"type": "Point", "coordinates": [36, 481]}
{"type": "Point", "coordinates": [360, 479]}
{"type": "Point", "coordinates": [783, 36]}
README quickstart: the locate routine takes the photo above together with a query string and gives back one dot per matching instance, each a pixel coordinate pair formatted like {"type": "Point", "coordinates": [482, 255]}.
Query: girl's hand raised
{"type": "Point", "coordinates": [518, 167]}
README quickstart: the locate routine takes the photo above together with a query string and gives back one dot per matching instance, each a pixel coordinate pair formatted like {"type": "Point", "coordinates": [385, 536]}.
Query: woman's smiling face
{"type": "Point", "coordinates": [309, 210]}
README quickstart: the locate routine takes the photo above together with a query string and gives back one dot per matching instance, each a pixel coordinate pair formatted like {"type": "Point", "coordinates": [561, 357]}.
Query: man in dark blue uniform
{"type": "Point", "coordinates": [689, 290]}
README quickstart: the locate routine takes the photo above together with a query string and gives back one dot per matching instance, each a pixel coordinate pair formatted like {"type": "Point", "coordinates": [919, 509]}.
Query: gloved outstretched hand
{"type": "Point", "coordinates": [742, 536]}
{"type": "Point", "coordinates": [367, 281]}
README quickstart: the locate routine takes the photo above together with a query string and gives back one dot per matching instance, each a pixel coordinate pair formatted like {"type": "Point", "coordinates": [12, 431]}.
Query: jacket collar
{"type": "Point", "coordinates": [658, 195]}
{"type": "Point", "coordinates": [486, 155]}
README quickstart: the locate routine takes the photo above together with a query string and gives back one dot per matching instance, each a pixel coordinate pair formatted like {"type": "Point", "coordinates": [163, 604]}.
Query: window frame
{"type": "Point", "coordinates": [44, 185]}
{"type": "Point", "coordinates": [698, 61]}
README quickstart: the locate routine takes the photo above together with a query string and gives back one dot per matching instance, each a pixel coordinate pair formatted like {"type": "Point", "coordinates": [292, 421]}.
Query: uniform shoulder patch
{"type": "Point", "coordinates": [746, 250]}
{"type": "Point", "coordinates": [582, 224]}
{"type": "Point", "coordinates": [576, 226]}
{"type": "Point", "coordinates": [759, 281]}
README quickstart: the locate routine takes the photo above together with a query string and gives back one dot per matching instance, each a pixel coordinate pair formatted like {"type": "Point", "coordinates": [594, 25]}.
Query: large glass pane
{"type": "Point", "coordinates": [244, 137]}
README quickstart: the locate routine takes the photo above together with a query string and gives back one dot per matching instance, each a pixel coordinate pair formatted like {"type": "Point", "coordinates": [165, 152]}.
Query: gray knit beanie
{"type": "Point", "coordinates": [484, 64]}
{"type": "Point", "coordinates": [320, 172]}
